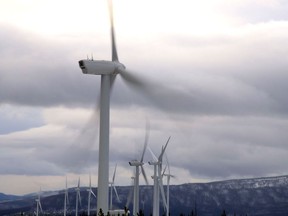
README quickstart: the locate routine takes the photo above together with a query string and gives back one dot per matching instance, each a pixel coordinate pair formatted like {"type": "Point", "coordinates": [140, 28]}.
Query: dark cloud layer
{"type": "Point", "coordinates": [38, 72]}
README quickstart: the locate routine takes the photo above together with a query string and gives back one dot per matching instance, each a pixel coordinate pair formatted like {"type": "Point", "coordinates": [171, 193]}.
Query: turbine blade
{"type": "Point", "coordinates": [79, 197]}
{"type": "Point", "coordinates": [163, 149]}
{"type": "Point", "coordinates": [163, 173]}
{"type": "Point", "coordinates": [167, 163]}
{"type": "Point", "coordinates": [133, 80]}
{"type": "Point", "coordinates": [115, 190]}
{"type": "Point", "coordinates": [164, 97]}
{"type": "Point", "coordinates": [113, 41]}
{"type": "Point", "coordinates": [162, 192]}
{"type": "Point", "coordinates": [153, 155]}
{"type": "Point", "coordinates": [146, 140]}
{"type": "Point", "coordinates": [40, 206]}
{"type": "Point", "coordinates": [129, 198]}
{"type": "Point", "coordinates": [144, 175]}
{"type": "Point", "coordinates": [90, 180]}
{"type": "Point", "coordinates": [112, 81]}
{"type": "Point", "coordinates": [93, 193]}
{"type": "Point", "coordinates": [114, 174]}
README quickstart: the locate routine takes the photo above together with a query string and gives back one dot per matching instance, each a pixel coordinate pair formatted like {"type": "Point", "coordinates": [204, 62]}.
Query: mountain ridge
{"type": "Point", "coordinates": [252, 196]}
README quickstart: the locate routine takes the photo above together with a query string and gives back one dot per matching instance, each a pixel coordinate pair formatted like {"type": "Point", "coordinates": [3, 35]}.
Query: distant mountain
{"type": "Point", "coordinates": [4, 197]}
{"type": "Point", "coordinates": [253, 197]}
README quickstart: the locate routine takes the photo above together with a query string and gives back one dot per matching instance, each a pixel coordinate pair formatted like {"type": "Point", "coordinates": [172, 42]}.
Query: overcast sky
{"type": "Point", "coordinates": [216, 82]}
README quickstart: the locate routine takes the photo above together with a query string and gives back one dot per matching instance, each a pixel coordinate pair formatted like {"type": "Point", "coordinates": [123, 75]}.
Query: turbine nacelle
{"type": "Point", "coordinates": [100, 67]}
{"type": "Point", "coordinates": [153, 162]}
{"type": "Point", "coordinates": [135, 163]}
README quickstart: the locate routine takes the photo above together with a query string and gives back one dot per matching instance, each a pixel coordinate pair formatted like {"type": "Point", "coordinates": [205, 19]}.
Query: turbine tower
{"type": "Point", "coordinates": [112, 187]}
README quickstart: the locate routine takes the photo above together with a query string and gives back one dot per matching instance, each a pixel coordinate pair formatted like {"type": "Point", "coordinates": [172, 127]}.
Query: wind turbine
{"type": "Point", "coordinates": [78, 197]}
{"type": "Point", "coordinates": [108, 71]}
{"type": "Point", "coordinates": [112, 187]}
{"type": "Point", "coordinates": [138, 164]}
{"type": "Point", "coordinates": [39, 206]}
{"type": "Point", "coordinates": [89, 194]}
{"type": "Point", "coordinates": [66, 200]}
{"type": "Point", "coordinates": [131, 191]}
{"type": "Point", "coordinates": [158, 181]}
{"type": "Point", "coordinates": [168, 183]}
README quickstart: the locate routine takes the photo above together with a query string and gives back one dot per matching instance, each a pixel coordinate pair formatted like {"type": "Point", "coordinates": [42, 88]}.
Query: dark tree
{"type": "Point", "coordinates": [224, 213]}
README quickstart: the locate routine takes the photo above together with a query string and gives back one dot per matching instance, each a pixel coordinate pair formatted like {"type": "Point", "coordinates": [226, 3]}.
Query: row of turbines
{"type": "Point", "coordinates": [157, 177]}
{"type": "Point", "coordinates": [158, 187]}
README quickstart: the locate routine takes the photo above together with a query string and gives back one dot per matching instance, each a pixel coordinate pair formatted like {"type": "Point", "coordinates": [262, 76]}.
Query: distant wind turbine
{"type": "Point", "coordinates": [168, 175]}
{"type": "Point", "coordinates": [131, 191]}
{"type": "Point", "coordinates": [158, 180]}
{"type": "Point", "coordinates": [137, 164]}
{"type": "Point", "coordinates": [78, 197]}
{"type": "Point", "coordinates": [38, 202]}
{"type": "Point", "coordinates": [112, 187]}
{"type": "Point", "coordinates": [89, 194]}
{"type": "Point", "coordinates": [66, 200]}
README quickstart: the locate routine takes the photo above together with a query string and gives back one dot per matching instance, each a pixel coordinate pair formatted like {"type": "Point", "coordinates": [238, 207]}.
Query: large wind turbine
{"type": "Point", "coordinates": [112, 187]}
{"type": "Point", "coordinates": [108, 71]}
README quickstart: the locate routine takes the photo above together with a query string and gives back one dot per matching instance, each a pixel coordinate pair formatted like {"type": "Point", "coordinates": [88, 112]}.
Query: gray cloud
{"type": "Point", "coordinates": [52, 78]}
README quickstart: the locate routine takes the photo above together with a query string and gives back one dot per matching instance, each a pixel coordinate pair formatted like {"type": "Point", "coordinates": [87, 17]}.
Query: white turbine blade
{"type": "Point", "coordinates": [133, 80]}
{"type": "Point", "coordinates": [113, 179]}
{"type": "Point", "coordinates": [144, 175]}
{"type": "Point", "coordinates": [163, 173]}
{"type": "Point", "coordinates": [163, 150]}
{"type": "Point", "coordinates": [112, 81]}
{"type": "Point", "coordinates": [93, 193]}
{"type": "Point", "coordinates": [90, 180]}
{"type": "Point", "coordinates": [167, 163]}
{"type": "Point", "coordinates": [153, 155]}
{"type": "Point", "coordinates": [162, 192]}
{"type": "Point", "coordinates": [115, 190]}
{"type": "Point", "coordinates": [146, 140]}
{"type": "Point", "coordinates": [113, 41]}
{"type": "Point", "coordinates": [90, 129]}
{"type": "Point", "coordinates": [40, 206]}
{"type": "Point", "coordinates": [129, 198]}
{"type": "Point", "coordinates": [167, 98]}
{"type": "Point", "coordinates": [78, 194]}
